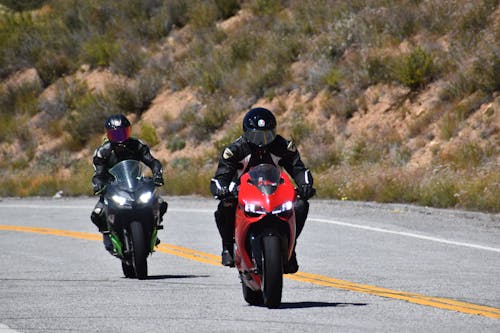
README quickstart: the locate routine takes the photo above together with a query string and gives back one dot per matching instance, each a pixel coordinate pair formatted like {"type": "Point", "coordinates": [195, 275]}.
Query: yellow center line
{"type": "Point", "coordinates": [321, 280]}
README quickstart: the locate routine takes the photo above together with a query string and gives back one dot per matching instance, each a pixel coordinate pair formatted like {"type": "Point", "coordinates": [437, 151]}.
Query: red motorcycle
{"type": "Point", "coordinates": [264, 233]}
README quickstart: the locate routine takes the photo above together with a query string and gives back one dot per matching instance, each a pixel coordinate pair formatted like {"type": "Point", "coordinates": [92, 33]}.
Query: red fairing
{"type": "Point", "coordinates": [264, 191]}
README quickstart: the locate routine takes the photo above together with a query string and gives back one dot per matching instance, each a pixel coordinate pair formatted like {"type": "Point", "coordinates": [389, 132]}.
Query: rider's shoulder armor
{"type": "Point", "coordinates": [236, 150]}
{"type": "Point", "coordinates": [103, 151]}
{"type": "Point", "coordinates": [279, 146]}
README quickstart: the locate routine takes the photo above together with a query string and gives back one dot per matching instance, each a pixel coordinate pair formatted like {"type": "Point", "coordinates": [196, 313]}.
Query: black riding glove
{"type": "Point", "coordinates": [158, 180]}
{"type": "Point", "coordinates": [222, 192]}
{"type": "Point", "coordinates": [306, 191]}
{"type": "Point", "coordinates": [98, 188]}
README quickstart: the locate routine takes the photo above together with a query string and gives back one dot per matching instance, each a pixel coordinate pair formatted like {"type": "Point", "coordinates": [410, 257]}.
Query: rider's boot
{"type": "Point", "coordinates": [99, 219]}
{"type": "Point", "coordinates": [163, 210]}
{"type": "Point", "coordinates": [227, 255]}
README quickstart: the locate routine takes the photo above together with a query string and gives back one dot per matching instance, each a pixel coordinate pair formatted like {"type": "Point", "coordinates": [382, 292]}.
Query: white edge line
{"type": "Point", "coordinates": [407, 234]}
{"type": "Point", "coordinates": [344, 224]}
{"type": "Point", "coordinates": [6, 329]}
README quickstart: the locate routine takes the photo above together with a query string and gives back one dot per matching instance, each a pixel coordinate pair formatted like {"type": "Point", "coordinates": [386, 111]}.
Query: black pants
{"type": "Point", "coordinates": [225, 215]}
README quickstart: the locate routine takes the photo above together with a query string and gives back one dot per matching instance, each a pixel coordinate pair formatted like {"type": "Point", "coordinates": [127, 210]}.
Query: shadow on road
{"type": "Point", "coordinates": [302, 305]}
{"type": "Point", "coordinates": [164, 277]}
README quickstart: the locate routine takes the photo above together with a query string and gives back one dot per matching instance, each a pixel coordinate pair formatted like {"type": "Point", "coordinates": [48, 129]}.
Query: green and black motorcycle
{"type": "Point", "coordinates": [133, 216]}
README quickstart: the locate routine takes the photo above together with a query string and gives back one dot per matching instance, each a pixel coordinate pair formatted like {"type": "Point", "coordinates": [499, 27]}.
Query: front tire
{"type": "Point", "coordinates": [128, 270]}
{"type": "Point", "coordinates": [139, 250]}
{"type": "Point", "coordinates": [272, 275]}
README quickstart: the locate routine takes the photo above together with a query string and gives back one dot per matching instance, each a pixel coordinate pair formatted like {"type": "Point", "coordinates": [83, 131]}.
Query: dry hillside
{"type": "Point", "coordinates": [366, 135]}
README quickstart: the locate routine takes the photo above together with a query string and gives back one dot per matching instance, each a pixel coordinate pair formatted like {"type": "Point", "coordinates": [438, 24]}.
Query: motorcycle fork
{"type": "Point", "coordinates": [256, 247]}
{"type": "Point", "coordinates": [128, 249]}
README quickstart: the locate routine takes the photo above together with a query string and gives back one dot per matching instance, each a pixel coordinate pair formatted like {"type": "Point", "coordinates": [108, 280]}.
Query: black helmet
{"type": "Point", "coordinates": [117, 128]}
{"type": "Point", "coordinates": [259, 126]}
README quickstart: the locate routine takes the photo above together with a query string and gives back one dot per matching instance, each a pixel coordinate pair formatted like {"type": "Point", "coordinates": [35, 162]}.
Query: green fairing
{"type": "Point", "coordinates": [153, 240]}
{"type": "Point", "coordinates": [117, 245]}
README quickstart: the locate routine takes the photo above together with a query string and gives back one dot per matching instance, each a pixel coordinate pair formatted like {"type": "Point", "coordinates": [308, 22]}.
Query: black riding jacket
{"type": "Point", "coordinates": [110, 153]}
{"type": "Point", "coordinates": [241, 155]}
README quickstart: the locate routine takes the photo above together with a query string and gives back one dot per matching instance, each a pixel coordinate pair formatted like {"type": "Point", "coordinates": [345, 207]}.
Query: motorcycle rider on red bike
{"type": "Point", "coordinates": [258, 144]}
{"type": "Point", "coordinates": [119, 147]}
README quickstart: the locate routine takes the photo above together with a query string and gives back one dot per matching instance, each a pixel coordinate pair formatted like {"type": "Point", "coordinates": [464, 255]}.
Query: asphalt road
{"type": "Point", "coordinates": [363, 268]}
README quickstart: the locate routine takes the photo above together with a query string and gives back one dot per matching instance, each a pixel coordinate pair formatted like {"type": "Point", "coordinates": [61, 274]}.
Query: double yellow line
{"type": "Point", "coordinates": [207, 258]}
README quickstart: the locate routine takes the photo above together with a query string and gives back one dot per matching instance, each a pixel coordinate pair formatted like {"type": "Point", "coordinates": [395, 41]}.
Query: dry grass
{"type": "Point", "coordinates": [360, 145]}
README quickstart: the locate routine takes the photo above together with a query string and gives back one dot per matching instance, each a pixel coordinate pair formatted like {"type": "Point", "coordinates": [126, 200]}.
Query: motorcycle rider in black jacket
{"type": "Point", "coordinates": [258, 144]}
{"type": "Point", "coordinates": [119, 146]}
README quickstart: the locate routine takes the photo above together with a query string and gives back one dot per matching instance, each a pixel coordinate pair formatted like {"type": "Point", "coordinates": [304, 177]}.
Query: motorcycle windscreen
{"type": "Point", "coordinates": [266, 178]}
{"type": "Point", "coordinates": [127, 173]}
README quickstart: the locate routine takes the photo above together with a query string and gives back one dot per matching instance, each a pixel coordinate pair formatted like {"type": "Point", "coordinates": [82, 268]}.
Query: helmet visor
{"type": "Point", "coordinates": [260, 137]}
{"type": "Point", "coordinates": [119, 134]}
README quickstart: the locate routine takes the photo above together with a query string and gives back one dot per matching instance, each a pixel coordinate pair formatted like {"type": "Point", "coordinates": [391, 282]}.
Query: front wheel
{"type": "Point", "coordinates": [128, 270]}
{"type": "Point", "coordinates": [272, 275]}
{"type": "Point", "coordinates": [139, 250]}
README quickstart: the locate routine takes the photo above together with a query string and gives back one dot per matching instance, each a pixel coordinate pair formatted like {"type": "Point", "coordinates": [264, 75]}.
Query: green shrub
{"type": "Point", "coordinates": [99, 51]}
{"type": "Point", "coordinates": [439, 190]}
{"type": "Point", "coordinates": [123, 98]}
{"type": "Point", "coordinates": [243, 47]}
{"type": "Point", "coordinates": [128, 59]}
{"type": "Point", "coordinates": [175, 143]}
{"type": "Point", "coordinates": [448, 125]}
{"type": "Point", "coordinates": [269, 75]}
{"type": "Point", "coordinates": [364, 151]}
{"type": "Point", "coordinates": [486, 73]}
{"type": "Point", "coordinates": [148, 134]}
{"type": "Point", "coordinates": [299, 129]}
{"type": "Point", "coordinates": [467, 155]}
{"type": "Point", "coordinates": [149, 83]}
{"type": "Point", "coordinates": [227, 8]}
{"type": "Point", "coordinates": [266, 7]}
{"type": "Point", "coordinates": [80, 181]}
{"type": "Point", "coordinates": [177, 12]}
{"type": "Point", "coordinates": [479, 191]}
{"type": "Point", "coordinates": [51, 65]}
{"type": "Point", "coordinates": [85, 117]}
{"type": "Point", "coordinates": [7, 127]}
{"type": "Point", "coordinates": [203, 14]}
{"type": "Point", "coordinates": [459, 86]}
{"type": "Point", "coordinates": [332, 79]}
{"type": "Point", "coordinates": [472, 20]}
{"type": "Point", "coordinates": [20, 6]}
{"type": "Point", "coordinates": [378, 69]}
{"type": "Point", "coordinates": [205, 121]}
{"type": "Point", "coordinates": [415, 69]}
{"type": "Point", "coordinates": [20, 99]}
{"type": "Point", "coordinates": [393, 186]}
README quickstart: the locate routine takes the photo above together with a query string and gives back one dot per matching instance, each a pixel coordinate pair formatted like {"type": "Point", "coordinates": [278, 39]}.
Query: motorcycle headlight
{"type": "Point", "coordinates": [145, 197]}
{"type": "Point", "coordinates": [253, 210]}
{"type": "Point", "coordinates": [119, 199]}
{"type": "Point", "coordinates": [284, 210]}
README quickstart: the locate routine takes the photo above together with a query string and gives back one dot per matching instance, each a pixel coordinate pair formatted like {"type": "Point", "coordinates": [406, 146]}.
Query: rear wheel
{"type": "Point", "coordinates": [139, 250]}
{"type": "Point", "coordinates": [272, 275]}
